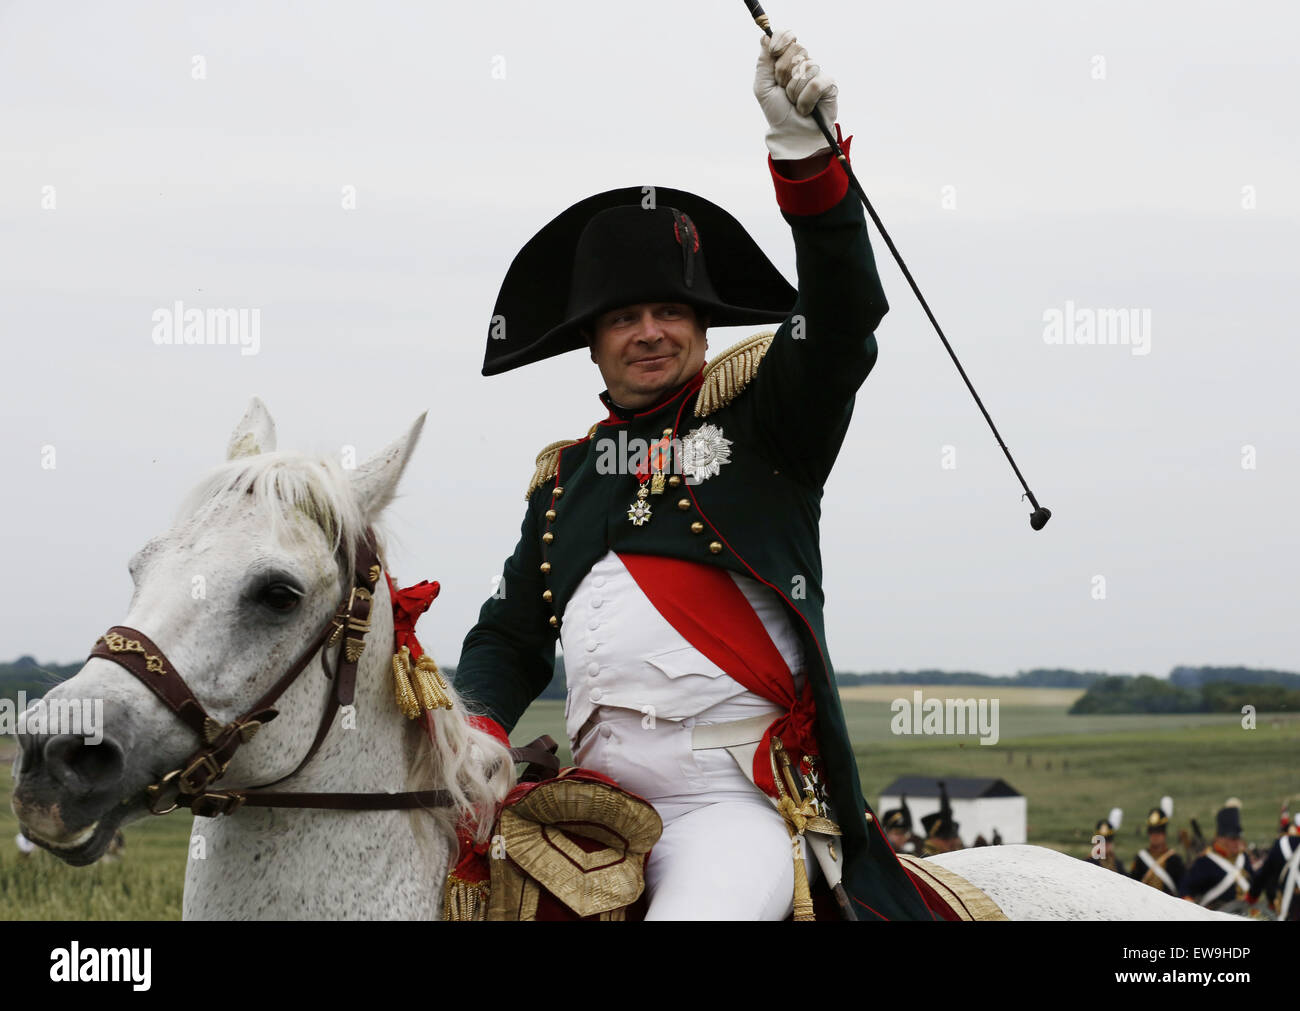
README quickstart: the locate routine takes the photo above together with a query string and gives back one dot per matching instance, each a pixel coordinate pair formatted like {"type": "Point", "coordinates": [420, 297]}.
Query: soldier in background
{"type": "Point", "coordinates": [1278, 878]}
{"type": "Point", "coordinates": [898, 828]}
{"type": "Point", "coordinates": [1106, 830]}
{"type": "Point", "coordinates": [940, 829]}
{"type": "Point", "coordinates": [1221, 874]}
{"type": "Point", "coordinates": [1158, 865]}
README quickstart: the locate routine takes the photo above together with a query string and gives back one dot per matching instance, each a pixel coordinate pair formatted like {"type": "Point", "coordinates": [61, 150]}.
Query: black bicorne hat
{"type": "Point", "coordinates": [636, 244]}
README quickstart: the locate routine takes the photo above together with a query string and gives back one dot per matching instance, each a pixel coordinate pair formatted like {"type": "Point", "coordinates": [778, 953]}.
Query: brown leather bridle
{"type": "Point", "coordinates": [188, 784]}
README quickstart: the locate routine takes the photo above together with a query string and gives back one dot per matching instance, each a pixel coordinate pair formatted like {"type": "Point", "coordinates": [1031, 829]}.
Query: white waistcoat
{"type": "Point", "coordinates": [619, 651]}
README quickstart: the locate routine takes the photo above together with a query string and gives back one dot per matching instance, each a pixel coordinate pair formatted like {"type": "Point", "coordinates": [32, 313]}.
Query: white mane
{"type": "Point", "coordinates": [287, 486]}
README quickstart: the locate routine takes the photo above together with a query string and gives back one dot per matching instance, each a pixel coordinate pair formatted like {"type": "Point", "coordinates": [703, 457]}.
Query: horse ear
{"type": "Point", "coordinates": [375, 481]}
{"type": "Point", "coordinates": [254, 434]}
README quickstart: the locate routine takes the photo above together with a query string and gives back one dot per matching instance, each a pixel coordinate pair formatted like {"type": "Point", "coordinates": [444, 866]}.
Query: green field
{"type": "Point", "coordinates": [1072, 769]}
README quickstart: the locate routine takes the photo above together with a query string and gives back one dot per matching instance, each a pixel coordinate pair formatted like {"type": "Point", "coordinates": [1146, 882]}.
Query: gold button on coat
{"type": "Point", "coordinates": [714, 547]}
{"type": "Point", "coordinates": [683, 503]}
{"type": "Point", "coordinates": [555, 622]}
{"type": "Point", "coordinates": [546, 596]}
{"type": "Point", "coordinates": [550, 515]}
{"type": "Point", "coordinates": [546, 566]}
{"type": "Point", "coordinates": [548, 537]}
{"type": "Point", "coordinates": [697, 527]}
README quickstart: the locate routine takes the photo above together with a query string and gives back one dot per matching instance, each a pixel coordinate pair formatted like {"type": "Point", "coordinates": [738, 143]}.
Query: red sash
{"type": "Point", "coordinates": [707, 608]}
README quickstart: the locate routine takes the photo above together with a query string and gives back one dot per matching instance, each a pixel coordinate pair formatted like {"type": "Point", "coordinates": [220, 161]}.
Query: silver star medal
{"type": "Point", "coordinates": [704, 451]}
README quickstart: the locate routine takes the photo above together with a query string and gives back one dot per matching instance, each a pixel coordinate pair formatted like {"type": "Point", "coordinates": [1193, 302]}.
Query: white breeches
{"type": "Point", "coordinates": [725, 853]}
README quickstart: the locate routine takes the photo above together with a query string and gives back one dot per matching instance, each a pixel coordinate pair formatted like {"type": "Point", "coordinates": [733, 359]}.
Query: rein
{"type": "Point", "coordinates": [188, 785]}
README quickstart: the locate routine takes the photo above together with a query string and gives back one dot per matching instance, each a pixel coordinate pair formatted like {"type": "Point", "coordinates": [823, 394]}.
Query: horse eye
{"type": "Point", "coordinates": [279, 597]}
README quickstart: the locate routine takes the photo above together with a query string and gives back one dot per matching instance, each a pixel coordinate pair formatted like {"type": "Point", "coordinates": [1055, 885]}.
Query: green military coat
{"type": "Point", "coordinates": [757, 513]}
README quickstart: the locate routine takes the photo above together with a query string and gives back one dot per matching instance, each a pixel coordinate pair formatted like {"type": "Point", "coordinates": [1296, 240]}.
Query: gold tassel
{"type": "Point", "coordinates": [730, 372]}
{"type": "Point", "coordinates": [419, 689]}
{"type": "Point", "coordinates": [430, 687]}
{"type": "Point", "coordinates": [803, 904]}
{"type": "Point", "coordinates": [796, 817]}
{"type": "Point", "coordinates": [406, 700]}
{"type": "Point", "coordinates": [464, 901]}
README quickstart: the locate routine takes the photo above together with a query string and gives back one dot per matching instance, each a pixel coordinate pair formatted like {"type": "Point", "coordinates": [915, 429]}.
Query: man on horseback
{"type": "Point", "coordinates": [674, 550]}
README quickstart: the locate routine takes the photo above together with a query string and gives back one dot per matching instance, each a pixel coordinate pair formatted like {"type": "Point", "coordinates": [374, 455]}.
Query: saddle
{"type": "Point", "coordinates": [568, 844]}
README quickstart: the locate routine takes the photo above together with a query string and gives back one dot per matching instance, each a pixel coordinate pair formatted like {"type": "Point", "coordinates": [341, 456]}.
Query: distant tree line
{"type": "Point", "coordinates": [1037, 678]}
{"type": "Point", "coordinates": [34, 679]}
{"type": "Point", "coordinates": [1186, 690]}
{"type": "Point", "coordinates": [1146, 694]}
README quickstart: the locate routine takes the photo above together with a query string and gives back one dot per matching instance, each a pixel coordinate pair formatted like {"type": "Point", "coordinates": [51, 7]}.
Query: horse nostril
{"type": "Point", "coordinates": [81, 766]}
{"type": "Point", "coordinates": [28, 756]}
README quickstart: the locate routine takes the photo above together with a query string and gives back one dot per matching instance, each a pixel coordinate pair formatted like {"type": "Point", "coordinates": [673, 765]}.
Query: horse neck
{"type": "Point", "coordinates": [324, 864]}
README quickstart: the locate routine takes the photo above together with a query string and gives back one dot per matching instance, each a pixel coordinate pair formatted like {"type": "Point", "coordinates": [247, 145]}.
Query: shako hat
{"type": "Point", "coordinates": [1157, 821]}
{"type": "Point", "coordinates": [1105, 829]}
{"type": "Point", "coordinates": [1227, 822]}
{"type": "Point", "coordinates": [940, 824]}
{"type": "Point", "coordinates": [620, 247]}
{"type": "Point", "coordinates": [898, 817]}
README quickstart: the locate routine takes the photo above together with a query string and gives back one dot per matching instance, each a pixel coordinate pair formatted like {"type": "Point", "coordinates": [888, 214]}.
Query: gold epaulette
{"type": "Point", "coordinates": [548, 461]}
{"type": "Point", "coordinates": [730, 372]}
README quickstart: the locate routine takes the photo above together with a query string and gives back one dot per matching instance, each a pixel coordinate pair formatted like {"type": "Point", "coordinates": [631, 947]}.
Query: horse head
{"type": "Point", "coordinates": [255, 564]}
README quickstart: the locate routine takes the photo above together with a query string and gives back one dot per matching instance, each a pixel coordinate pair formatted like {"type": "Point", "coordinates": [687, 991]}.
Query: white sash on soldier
{"type": "Point", "coordinates": [1290, 877]}
{"type": "Point", "coordinates": [1232, 874]}
{"type": "Point", "coordinates": [1158, 870]}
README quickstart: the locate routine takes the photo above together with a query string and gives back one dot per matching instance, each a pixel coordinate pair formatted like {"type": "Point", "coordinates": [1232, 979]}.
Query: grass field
{"type": "Point", "coordinates": [1072, 769]}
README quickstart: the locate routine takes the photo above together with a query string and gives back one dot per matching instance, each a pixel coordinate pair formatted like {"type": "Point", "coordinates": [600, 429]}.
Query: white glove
{"type": "Point", "coordinates": [788, 85]}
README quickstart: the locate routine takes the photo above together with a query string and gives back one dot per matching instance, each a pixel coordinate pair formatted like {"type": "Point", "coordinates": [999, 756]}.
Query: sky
{"type": "Point", "coordinates": [363, 174]}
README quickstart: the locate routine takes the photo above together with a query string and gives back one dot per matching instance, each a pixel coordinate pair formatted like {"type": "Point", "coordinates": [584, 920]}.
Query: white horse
{"type": "Point", "coordinates": [267, 524]}
{"type": "Point", "coordinates": [1037, 883]}
{"type": "Point", "coordinates": [257, 561]}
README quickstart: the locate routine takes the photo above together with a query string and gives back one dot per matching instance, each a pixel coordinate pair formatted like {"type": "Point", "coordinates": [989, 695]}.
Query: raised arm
{"type": "Point", "coordinates": [823, 353]}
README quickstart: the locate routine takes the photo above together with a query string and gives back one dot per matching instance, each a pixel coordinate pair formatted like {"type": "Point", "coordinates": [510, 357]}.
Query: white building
{"type": "Point", "coordinates": [979, 806]}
